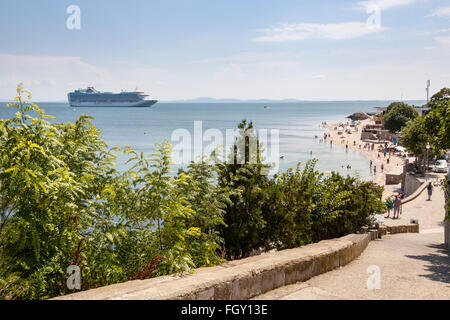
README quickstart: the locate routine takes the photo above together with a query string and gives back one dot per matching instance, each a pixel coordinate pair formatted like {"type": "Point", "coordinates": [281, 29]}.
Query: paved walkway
{"type": "Point", "coordinates": [429, 213]}
{"type": "Point", "coordinates": [412, 266]}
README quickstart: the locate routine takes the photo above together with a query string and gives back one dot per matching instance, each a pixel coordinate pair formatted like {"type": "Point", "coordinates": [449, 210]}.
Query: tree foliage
{"type": "Point", "coordinates": [434, 129]}
{"type": "Point", "coordinates": [438, 124]}
{"type": "Point", "coordinates": [397, 115]}
{"type": "Point", "coordinates": [439, 98]}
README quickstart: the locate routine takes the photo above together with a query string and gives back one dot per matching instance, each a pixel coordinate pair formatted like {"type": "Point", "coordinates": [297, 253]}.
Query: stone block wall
{"type": "Point", "coordinates": [246, 278]}
{"type": "Point", "coordinates": [410, 184]}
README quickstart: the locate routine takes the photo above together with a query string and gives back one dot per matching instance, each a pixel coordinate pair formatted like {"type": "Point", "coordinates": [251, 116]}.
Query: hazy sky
{"type": "Point", "coordinates": [247, 49]}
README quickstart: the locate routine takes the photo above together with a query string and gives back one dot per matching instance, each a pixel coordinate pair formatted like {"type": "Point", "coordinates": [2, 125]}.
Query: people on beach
{"type": "Point", "coordinates": [382, 168]}
{"type": "Point", "coordinates": [430, 190]}
{"type": "Point", "coordinates": [374, 170]}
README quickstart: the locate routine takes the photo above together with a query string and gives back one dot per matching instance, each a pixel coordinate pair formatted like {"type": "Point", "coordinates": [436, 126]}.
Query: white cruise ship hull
{"type": "Point", "coordinates": [93, 99]}
{"type": "Point", "coordinates": [96, 104]}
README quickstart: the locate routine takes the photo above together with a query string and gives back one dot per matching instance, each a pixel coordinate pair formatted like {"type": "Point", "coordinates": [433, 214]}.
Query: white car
{"type": "Point", "coordinates": [441, 166]}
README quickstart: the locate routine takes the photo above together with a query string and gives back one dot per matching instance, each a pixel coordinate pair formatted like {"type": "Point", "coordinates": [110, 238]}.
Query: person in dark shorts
{"type": "Point", "coordinates": [430, 190]}
{"type": "Point", "coordinates": [389, 206]}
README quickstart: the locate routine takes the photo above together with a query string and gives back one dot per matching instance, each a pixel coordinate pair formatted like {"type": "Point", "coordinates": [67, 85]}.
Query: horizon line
{"type": "Point", "coordinates": [231, 100]}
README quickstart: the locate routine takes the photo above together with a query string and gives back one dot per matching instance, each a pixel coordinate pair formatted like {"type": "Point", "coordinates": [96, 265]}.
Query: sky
{"type": "Point", "coordinates": [242, 49]}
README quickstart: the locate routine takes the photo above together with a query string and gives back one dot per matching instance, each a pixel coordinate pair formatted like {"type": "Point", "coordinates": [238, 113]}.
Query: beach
{"type": "Point", "coordinates": [354, 142]}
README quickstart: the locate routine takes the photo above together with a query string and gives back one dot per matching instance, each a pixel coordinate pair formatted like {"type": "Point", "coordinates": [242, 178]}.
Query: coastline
{"type": "Point", "coordinates": [354, 142]}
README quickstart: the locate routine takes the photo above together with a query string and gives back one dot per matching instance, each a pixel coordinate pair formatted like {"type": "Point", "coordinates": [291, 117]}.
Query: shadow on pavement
{"type": "Point", "coordinates": [439, 266]}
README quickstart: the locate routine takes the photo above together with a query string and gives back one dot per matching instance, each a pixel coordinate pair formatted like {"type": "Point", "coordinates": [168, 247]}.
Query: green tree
{"type": "Point", "coordinates": [243, 175]}
{"type": "Point", "coordinates": [438, 98]}
{"type": "Point", "coordinates": [209, 203]}
{"type": "Point", "coordinates": [344, 205]}
{"type": "Point", "coordinates": [288, 207]}
{"type": "Point", "coordinates": [49, 173]}
{"type": "Point", "coordinates": [397, 115]}
{"type": "Point", "coordinates": [438, 122]}
{"type": "Point", "coordinates": [414, 138]}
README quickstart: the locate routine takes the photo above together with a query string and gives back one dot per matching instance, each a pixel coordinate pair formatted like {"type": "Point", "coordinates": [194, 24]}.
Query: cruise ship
{"type": "Point", "coordinates": [92, 98]}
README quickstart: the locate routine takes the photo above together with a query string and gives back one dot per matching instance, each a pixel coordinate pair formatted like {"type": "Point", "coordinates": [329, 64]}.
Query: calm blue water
{"type": "Point", "coordinates": [298, 123]}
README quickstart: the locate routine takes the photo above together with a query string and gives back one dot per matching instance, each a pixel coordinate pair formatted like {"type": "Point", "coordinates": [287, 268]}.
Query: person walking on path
{"type": "Point", "coordinates": [382, 168]}
{"type": "Point", "coordinates": [389, 206]}
{"type": "Point", "coordinates": [374, 170]}
{"type": "Point", "coordinates": [430, 190]}
{"type": "Point", "coordinates": [397, 205]}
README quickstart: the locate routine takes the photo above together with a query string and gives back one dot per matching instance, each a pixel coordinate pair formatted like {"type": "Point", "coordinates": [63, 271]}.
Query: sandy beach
{"type": "Point", "coordinates": [354, 142]}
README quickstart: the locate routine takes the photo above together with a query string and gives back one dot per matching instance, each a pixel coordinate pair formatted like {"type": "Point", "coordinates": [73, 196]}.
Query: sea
{"type": "Point", "coordinates": [297, 126]}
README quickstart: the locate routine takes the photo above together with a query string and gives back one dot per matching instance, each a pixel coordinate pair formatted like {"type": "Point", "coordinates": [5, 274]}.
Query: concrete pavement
{"type": "Point", "coordinates": [429, 213]}
{"type": "Point", "coordinates": [411, 266]}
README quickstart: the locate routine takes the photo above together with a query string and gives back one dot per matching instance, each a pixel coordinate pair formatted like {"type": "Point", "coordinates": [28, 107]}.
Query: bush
{"type": "Point", "coordinates": [63, 203]}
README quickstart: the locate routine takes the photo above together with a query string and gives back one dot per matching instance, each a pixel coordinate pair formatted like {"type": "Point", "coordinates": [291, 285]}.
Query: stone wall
{"type": "Point", "coordinates": [367, 135]}
{"type": "Point", "coordinates": [409, 228]}
{"type": "Point", "coordinates": [240, 279]}
{"type": "Point", "coordinates": [394, 178]}
{"type": "Point", "coordinates": [245, 278]}
{"type": "Point", "coordinates": [410, 184]}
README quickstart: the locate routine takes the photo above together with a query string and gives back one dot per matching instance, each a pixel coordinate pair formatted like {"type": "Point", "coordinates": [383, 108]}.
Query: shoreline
{"type": "Point", "coordinates": [353, 141]}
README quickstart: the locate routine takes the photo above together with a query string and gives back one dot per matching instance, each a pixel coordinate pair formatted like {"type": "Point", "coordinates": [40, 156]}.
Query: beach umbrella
{"type": "Point", "coordinates": [341, 128]}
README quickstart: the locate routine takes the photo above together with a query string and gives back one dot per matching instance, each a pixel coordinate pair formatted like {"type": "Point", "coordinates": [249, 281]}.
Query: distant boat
{"type": "Point", "coordinates": [92, 98]}
{"type": "Point", "coordinates": [266, 107]}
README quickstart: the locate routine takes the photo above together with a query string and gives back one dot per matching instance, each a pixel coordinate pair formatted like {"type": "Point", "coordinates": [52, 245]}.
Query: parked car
{"type": "Point", "coordinates": [441, 166]}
